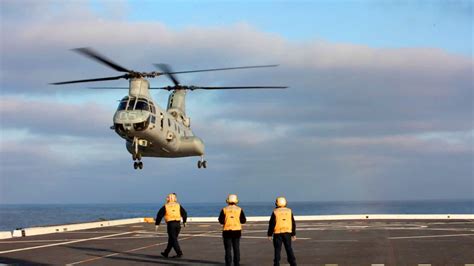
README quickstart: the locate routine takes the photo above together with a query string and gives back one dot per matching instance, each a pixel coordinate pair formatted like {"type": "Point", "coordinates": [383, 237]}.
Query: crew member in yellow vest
{"type": "Point", "coordinates": [282, 227]}
{"type": "Point", "coordinates": [232, 217]}
{"type": "Point", "coordinates": [173, 213]}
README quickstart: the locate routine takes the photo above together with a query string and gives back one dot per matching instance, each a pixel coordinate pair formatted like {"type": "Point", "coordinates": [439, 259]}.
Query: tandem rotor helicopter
{"type": "Point", "coordinates": [149, 130]}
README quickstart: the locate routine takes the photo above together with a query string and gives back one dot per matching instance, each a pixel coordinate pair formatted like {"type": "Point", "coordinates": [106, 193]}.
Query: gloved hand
{"type": "Point", "coordinates": [156, 227]}
{"type": "Point", "coordinates": [270, 238]}
{"type": "Point", "coordinates": [184, 224]}
{"type": "Point", "coordinates": [293, 238]}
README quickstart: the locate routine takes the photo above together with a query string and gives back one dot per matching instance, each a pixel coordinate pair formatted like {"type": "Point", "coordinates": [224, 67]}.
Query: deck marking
{"type": "Point", "coordinates": [34, 241]}
{"type": "Point", "coordinates": [113, 254]}
{"type": "Point", "coordinates": [430, 236]}
{"type": "Point", "coordinates": [135, 249]}
{"type": "Point", "coordinates": [63, 243]}
{"type": "Point", "coordinates": [61, 240]}
{"type": "Point", "coordinates": [377, 265]}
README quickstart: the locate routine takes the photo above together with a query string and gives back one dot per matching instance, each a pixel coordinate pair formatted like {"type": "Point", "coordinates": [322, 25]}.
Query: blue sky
{"type": "Point", "coordinates": [380, 104]}
{"type": "Point", "coordinates": [389, 24]}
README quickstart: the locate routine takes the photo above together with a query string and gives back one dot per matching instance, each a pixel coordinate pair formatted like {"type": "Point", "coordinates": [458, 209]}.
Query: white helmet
{"type": "Point", "coordinates": [280, 202]}
{"type": "Point", "coordinates": [171, 197]}
{"type": "Point", "coordinates": [232, 199]}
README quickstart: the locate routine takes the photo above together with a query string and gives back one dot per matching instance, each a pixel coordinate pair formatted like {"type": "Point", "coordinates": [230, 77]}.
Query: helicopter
{"type": "Point", "coordinates": [148, 129]}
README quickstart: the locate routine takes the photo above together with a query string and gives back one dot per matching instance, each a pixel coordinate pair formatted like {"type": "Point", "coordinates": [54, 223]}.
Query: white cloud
{"type": "Point", "coordinates": [355, 118]}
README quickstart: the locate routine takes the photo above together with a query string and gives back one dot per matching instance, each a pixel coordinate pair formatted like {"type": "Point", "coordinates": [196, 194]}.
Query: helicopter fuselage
{"type": "Point", "coordinates": [150, 131]}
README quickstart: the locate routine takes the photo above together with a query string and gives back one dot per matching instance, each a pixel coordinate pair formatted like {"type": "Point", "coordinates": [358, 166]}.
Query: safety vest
{"type": "Point", "coordinates": [173, 212]}
{"type": "Point", "coordinates": [232, 218]}
{"type": "Point", "coordinates": [283, 222]}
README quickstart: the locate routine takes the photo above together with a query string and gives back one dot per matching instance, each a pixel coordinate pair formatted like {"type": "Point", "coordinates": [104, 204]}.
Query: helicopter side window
{"type": "Point", "coordinates": [141, 105]}
{"type": "Point", "coordinates": [131, 104]}
{"type": "Point", "coordinates": [161, 116]}
{"type": "Point", "coordinates": [122, 105]}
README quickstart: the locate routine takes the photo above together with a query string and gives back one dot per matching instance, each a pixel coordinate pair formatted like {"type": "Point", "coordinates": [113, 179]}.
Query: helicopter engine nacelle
{"type": "Point", "coordinates": [139, 88]}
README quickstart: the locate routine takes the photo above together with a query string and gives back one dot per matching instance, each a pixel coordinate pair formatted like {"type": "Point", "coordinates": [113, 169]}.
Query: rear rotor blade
{"type": "Point", "coordinates": [96, 56]}
{"type": "Point", "coordinates": [217, 69]}
{"type": "Point", "coordinates": [234, 87]}
{"type": "Point", "coordinates": [89, 80]}
{"type": "Point", "coordinates": [166, 69]}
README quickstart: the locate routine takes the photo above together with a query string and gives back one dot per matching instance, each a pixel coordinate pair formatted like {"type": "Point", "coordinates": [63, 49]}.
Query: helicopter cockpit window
{"type": "Point", "coordinates": [131, 104]}
{"type": "Point", "coordinates": [142, 105]}
{"type": "Point", "coordinates": [122, 105]}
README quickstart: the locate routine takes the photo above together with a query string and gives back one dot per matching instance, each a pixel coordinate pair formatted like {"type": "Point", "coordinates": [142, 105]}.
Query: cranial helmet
{"type": "Point", "coordinates": [232, 199]}
{"type": "Point", "coordinates": [280, 202]}
{"type": "Point", "coordinates": [171, 197]}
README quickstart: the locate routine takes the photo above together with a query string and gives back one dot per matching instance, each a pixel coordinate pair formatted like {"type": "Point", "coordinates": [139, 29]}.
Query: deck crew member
{"type": "Point", "coordinates": [232, 217]}
{"type": "Point", "coordinates": [283, 228]}
{"type": "Point", "coordinates": [173, 213]}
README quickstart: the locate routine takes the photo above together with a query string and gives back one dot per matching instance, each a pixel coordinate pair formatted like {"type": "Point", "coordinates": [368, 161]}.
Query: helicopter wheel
{"type": "Point", "coordinates": [139, 156]}
{"type": "Point", "coordinates": [135, 165]}
{"type": "Point", "coordinates": [134, 156]}
{"type": "Point", "coordinates": [204, 164]}
{"type": "Point", "coordinates": [140, 165]}
{"type": "Point", "coordinates": [199, 164]}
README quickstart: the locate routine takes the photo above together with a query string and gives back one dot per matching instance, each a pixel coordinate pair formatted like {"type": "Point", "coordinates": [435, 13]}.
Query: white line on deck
{"type": "Point", "coordinates": [135, 249]}
{"type": "Point", "coordinates": [430, 236]}
{"type": "Point", "coordinates": [63, 243]}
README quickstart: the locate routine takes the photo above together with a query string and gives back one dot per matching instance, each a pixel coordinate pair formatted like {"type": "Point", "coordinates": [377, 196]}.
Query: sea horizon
{"type": "Point", "coordinates": [23, 215]}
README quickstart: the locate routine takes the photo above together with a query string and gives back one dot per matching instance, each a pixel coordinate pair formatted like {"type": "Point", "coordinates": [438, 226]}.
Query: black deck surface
{"type": "Point", "coordinates": [319, 243]}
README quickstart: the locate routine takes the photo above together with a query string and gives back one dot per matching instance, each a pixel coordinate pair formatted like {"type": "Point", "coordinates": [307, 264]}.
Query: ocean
{"type": "Point", "coordinates": [13, 216]}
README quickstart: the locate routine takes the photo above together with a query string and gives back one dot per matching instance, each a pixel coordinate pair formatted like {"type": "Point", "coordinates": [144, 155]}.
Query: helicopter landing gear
{"type": "Point", "coordinates": [138, 165]}
{"type": "Point", "coordinates": [136, 156]}
{"type": "Point", "coordinates": [202, 163]}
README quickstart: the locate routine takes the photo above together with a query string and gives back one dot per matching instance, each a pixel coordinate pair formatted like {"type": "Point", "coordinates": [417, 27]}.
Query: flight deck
{"type": "Point", "coordinates": [353, 242]}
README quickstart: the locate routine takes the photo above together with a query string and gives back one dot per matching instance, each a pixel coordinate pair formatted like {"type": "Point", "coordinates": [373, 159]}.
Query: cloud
{"type": "Point", "coordinates": [356, 123]}
{"type": "Point", "coordinates": [53, 118]}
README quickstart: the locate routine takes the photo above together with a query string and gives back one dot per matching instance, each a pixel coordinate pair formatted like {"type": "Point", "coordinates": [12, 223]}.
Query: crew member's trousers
{"type": "Point", "coordinates": [229, 244]}
{"type": "Point", "coordinates": [173, 228]}
{"type": "Point", "coordinates": [284, 238]}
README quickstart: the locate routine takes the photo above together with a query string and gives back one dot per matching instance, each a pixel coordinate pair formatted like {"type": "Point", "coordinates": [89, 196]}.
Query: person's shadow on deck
{"type": "Point", "coordinates": [144, 258]}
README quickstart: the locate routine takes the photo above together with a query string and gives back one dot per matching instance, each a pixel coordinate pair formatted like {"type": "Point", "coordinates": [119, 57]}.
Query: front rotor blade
{"type": "Point", "coordinates": [89, 80]}
{"type": "Point", "coordinates": [166, 69]}
{"type": "Point", "coordinates": [169, 88]}
{"type": "Point", "coordinates": [220, 69]}
{"type": "Point", "coordinates": [235, 87]}
{"type": "Point", "coordinates": [96, 56]}
{"type": "Point", "coordinates": [109, 88]}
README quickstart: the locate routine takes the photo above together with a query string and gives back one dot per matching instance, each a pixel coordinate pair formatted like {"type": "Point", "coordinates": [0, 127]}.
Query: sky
{"type": "Point", "coordinates": [379, 105]}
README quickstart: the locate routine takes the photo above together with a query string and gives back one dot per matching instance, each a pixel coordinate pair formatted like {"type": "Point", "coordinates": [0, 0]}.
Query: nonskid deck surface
{"type": "Point", "coordinates": [319, 243]}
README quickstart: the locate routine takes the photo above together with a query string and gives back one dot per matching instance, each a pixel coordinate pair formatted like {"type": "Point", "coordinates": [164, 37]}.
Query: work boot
{"type": "Point", "coordinates": [164, 254]}
{"type": "Point", "coordinates": [178, 255]}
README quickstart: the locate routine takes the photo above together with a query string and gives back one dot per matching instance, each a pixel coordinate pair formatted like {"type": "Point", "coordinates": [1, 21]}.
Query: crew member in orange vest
{"type": "Point", "coordinates": [283, 228]}
{"type": "Point", "coordinates": [173, 213]}
{"type": "Point", "coordinates": [232, 217]}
